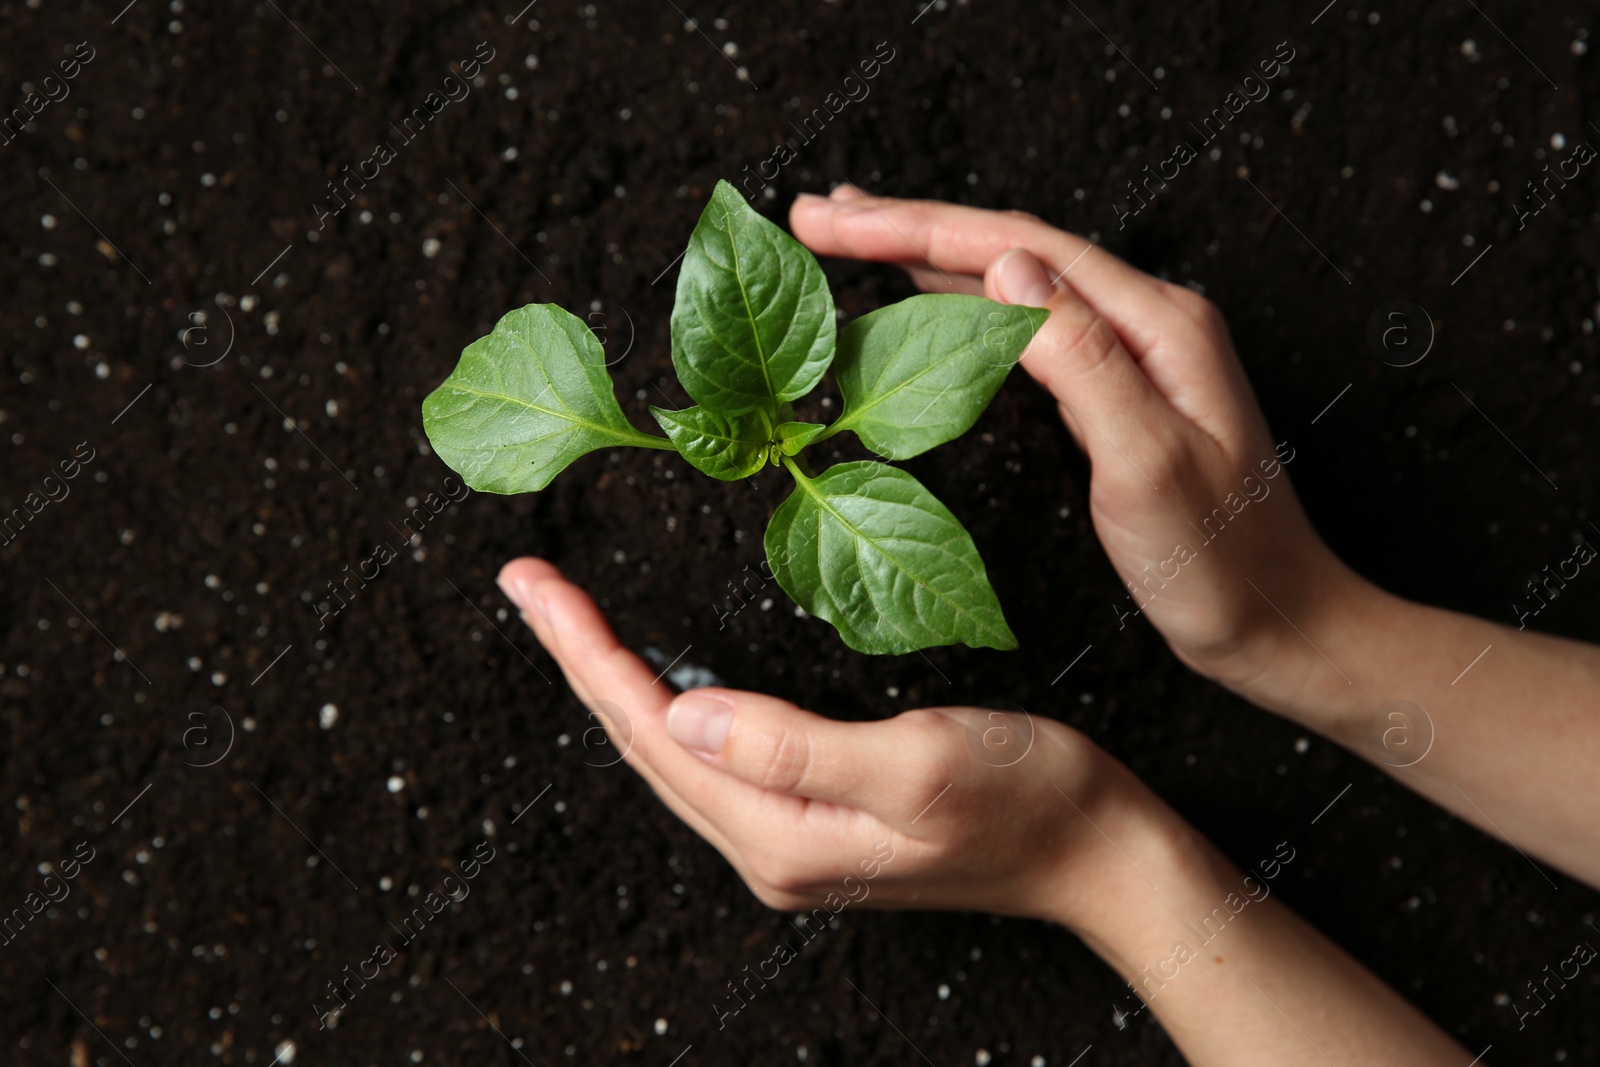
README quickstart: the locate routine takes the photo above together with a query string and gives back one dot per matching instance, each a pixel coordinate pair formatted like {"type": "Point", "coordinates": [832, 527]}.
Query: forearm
{"type": "Point", "coordinates": [1508, 732]}
{"type": "Point", "coordinates": [1232, 974]}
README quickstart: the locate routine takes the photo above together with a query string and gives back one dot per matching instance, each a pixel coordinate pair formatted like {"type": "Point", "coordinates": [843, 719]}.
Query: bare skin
{"type": "Point", "coordinates": [1149, 385]}
{"type": "Point", "coordinates": [1151, 388]}
{"type": "Point", "coordinates": [907, 813]}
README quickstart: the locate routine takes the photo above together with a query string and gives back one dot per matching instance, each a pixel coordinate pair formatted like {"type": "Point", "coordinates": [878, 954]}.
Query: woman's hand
{"type": "Point", "coordinates": [988, 811]}
{"type": "Point", "coordinates": [1191, 501]}
{"type": "Point", "coordinates": [943, 808]}
{"type": "Point", "coordinates": [1189, 494]}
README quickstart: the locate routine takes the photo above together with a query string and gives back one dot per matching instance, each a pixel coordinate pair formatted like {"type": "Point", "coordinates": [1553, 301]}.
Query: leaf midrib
{"type": "Point", "coordinates": [757, 440]}
{"type": "Point", "coordinates": [809, 486]}
{"type": "Point", "coordinates": [850, 419]}
{"type": "Point", "coordinates": [744, 297]}
{"type": "Point", "coordinates": [569, 416]}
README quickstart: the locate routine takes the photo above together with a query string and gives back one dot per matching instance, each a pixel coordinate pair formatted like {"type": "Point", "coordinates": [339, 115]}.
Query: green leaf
{"type": "Point", "coordinates": [753, 325]}
{"type": "Point", "coordinates": [791, 437]}
{"type": "Point", "coordinates": [868, 548]}
{"type": "Point", "coordinates": [723, 446]}
{"type": "Point", "coordinates": [918, 373]}
{"type": "Point", "coordinates": [526, 401]}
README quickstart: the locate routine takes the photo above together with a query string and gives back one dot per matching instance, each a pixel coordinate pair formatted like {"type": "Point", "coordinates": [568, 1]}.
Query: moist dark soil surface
{"type": "Point", "coordinates": [243, 354]}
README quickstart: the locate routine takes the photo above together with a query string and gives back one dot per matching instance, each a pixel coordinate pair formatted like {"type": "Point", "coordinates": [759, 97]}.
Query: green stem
{"type": "Point", "coordinates": [647, 440]}
{"type": "Point", "coordinates": [796, 467]}
{"type": "Point", "coordinates": [833, 428]}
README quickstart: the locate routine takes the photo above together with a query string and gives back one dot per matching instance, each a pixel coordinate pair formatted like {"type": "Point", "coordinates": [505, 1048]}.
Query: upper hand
{"type": "Point", "coordinates": [1147, 382]}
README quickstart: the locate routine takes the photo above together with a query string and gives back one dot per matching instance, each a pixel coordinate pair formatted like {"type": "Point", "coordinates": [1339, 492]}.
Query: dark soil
{"type": "Point", "coordinates": [199, 143]}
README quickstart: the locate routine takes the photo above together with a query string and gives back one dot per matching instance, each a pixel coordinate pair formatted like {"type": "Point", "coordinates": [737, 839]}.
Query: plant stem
{"type": "Point", "coordinates": [833, 428]}
{"type": "Point", "coordinates": [796, 467]}
{"type": "Point", "coordinates": [647, 440]}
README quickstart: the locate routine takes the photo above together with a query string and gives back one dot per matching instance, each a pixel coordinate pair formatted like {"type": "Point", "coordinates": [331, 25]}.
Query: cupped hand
{"type": "Point", "coordinates": [942, 808]}
{"type": "Point", "coordinates": [1188, 493]}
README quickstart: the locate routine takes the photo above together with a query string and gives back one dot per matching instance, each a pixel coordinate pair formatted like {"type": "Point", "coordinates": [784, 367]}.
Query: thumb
{"type": "Point", "coordinates": [776, 746]}
{"type": "Point", "coordinates": [1079, 358]}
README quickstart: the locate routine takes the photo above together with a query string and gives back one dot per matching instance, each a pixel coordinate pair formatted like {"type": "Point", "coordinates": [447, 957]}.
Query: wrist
{"type": "Point", "coordinates": [1125, 840]}
{"type": "Point", "coordinates": [1300, 661]}
{"type": "Point", "coordinates": [1164, 875]}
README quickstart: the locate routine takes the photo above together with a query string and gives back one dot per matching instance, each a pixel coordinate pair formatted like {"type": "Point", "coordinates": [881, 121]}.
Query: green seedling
{"type": "Point", "coordinates": [862, 545]}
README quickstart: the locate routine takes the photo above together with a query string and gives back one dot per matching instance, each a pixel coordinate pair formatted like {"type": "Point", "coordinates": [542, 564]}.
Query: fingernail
{"type": "Point", "coordinates": [520, 592]}
{"type": "Point", "coordinates": [1020, 279]}
{"type": "Point", "coordinates": [809, 198]}
{"type": "Point", "coordinates": [848, 198]}
{"type": "Point", "coordinates": [699, 722]}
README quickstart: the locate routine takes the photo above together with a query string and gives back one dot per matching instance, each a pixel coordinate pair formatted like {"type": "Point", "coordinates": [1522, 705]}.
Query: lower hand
{"type": "Point", "coordinates": [909, 813]}
{"type": "Point", "coordinates": [942, 808]}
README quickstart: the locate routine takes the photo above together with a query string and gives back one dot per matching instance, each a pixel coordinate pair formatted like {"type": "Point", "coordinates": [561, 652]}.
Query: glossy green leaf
{"type": "Point", "coordinates": [791, 437]}
{"type": "Point", "coordinates": [729, 447]}
{"type": "Point", "coordinates": [919, 373]}
{"type": "Point", "coordinates": [868, 548]}
{"type": "Point", "coordinates": [753, 325]}
{"type": "Point", "coordinates": [526, 401]}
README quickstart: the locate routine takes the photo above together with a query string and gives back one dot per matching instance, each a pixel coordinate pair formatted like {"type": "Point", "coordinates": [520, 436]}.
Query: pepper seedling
{"type": "Point", "coordinates": [862, 544]}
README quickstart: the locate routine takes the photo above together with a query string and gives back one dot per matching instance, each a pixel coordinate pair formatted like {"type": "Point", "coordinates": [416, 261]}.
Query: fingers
{"type": "Point", "coordinates": [1175, 336]}
{"type": "Point", "coordinates": [932, 281]}
{"type": "Point", "coordinates": [594, 661]}
{"type": "Point", "coordinates": [730, 812]}
{"type": "Point", "coordinates": [926, 277]}
{"type": "Point", "coordinates": [1078, 356]}
{"type": "Point", "coordinates": [739, 759]}
{"type": "Point", "coordinates": [952, 239]}
{"type": "Point", "coordinates": [602, 673]}
{"type": "Point", "coordinates": [780, 748]}
{"type": "Point", "coordinates": [846, 191]}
